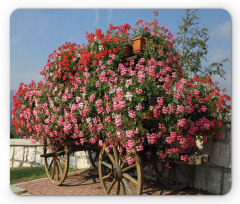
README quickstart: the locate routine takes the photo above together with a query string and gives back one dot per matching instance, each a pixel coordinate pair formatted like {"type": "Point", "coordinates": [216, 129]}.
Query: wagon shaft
{"type": "Point", "coordinates": [52, 154]}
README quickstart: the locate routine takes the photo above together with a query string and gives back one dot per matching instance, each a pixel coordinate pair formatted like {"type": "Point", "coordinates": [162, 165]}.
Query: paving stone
{"type": "Point", "coordinates": [87, 183]}
{"type": "Point", "coordinates": [17, 190]}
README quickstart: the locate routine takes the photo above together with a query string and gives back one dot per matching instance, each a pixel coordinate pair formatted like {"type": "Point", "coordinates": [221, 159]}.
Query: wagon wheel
{"type": "Point", "coordinates": [116, 176]}
{"type": "Point", "coordinates": [56, 165]}
{"type": "Point", "coordinates": [176, 176]}
{"type": "Point", "coordinates": [93, 157]}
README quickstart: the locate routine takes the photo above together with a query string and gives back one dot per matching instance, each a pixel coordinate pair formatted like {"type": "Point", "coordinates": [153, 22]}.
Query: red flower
{"type": "Point", "coordinates": [219, 136]}
{"type": "Point", "coordinates": [219, 124]}
{"type": "Point", "coordinates": [207, 98]}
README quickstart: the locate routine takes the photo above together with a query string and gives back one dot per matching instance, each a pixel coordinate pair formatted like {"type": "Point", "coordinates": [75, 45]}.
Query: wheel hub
{"type": "Point", "coordinates": [117, 172]}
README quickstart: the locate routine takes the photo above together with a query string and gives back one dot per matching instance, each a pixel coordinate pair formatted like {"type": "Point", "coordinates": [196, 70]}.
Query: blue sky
{"type": "Point", "coordinates": [35, 33]}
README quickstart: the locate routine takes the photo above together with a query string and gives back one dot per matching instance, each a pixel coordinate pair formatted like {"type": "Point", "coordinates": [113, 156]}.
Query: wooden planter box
{"type": "Point", "coordinates": [137, 44]}
{"type": "Point", "coordinates": [128, 50]}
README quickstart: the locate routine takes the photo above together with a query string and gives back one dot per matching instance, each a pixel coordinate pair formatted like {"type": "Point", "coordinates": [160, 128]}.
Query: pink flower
{"type": "Point", "coordinates": [138, 107]}
{"type": "Point", "coordinates": [98, 103]}
{"type": "Point", "coordinates": [118, 120]}
{"type": "Point", "coordinates": [138, 91]}
{"type": "Point", "coordinates": [203, 108]}
{"type": "Point", "coordinates": [130, 160]}
{"type": "Point", "coordinates": [99, 127]}
{"type": "Point", "coordinates": [107, 149]}
{"type": "Point", "coordinates": [129, 133]}
{"type": "Point", "coordinates": [81, 135]}
{"type": "Point", "coordinates": [91, 98]}
{"type": "Point", "coordinates": [78, 99]}
{"type": "Point", "coordinates": [64, 98]}
{"type": "Point", "coordinates": [139, 148]}
{"type": "Point", "coordinates": [131, 114]}
{"type": "Point", "coordinates": [128, 83]}
{"type": "Point", "coordinates": [97, 84]}
{"type": "Point", "coordinates": [100, 143]}
{"type": "Point", "coordinates": [119, 134]}
{"type": "Point", "coordinates": [184, 158]}
{"type": "Point", "coordinates": [182, 122]}
{"type": "Point", "coordinates": [196, 92]}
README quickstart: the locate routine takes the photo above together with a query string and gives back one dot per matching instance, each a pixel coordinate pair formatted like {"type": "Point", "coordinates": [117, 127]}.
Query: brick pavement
{"type": "Point", "coordinates": [87, 183]}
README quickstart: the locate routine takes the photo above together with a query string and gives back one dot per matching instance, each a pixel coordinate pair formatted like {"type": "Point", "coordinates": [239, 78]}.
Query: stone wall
{"type": "Point", "coordinates": [24, 153]}
{"type": "Point", "coordinates": [215, 176]}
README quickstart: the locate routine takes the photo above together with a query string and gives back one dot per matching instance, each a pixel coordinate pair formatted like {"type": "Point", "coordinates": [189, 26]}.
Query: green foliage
{"type": "Point", "coordinates": [23, 174]}
{"type": "Point", "coordinates": [13, 134]}
{"type": "Point", "coordinates": [192, 42]}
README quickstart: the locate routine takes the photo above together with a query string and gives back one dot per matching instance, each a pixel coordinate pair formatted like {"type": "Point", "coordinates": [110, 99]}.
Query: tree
{"type": "Point", "coordinates": [193, 48]}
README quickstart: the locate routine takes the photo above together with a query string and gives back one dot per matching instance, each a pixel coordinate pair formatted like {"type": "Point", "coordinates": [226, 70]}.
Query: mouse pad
{"type": "Point", "coordinates": [120, 102]}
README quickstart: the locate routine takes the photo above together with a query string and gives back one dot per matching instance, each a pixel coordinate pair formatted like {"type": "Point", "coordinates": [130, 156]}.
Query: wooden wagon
{"type": "Point", "coordinates": [115, 175]}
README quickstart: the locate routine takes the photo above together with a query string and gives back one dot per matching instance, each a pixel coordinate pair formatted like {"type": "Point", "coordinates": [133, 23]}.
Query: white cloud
{"type": "Point", "coordinates": [218, 55]}
{"type": "Point", "coordinates": [223, 30]}
{"type": "Point", "coordinates": [25, 77]}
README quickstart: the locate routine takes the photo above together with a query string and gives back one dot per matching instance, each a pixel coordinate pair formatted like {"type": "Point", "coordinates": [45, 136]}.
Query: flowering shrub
{"type": "Point", "coordinates": [91, 94]}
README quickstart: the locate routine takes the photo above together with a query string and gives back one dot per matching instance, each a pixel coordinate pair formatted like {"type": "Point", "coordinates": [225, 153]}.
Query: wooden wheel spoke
{"type": "Point", "coordinates": [61, 152]}
{"type": "Point", "coordinates": [59, 167]}
{"type": "Point", "coordinates": [56, 169]}
{"type": "Point", "coordinates": [122, 188]}
{"type": "Point", "coordinates": [118, 188]}
{"type": "Point", "coordinates": [61, 159]}
{"type": "Point", "coordinates": [111, 158]}
{"type": "Point", "coordinates": [53, 170]}
{"type": "Point", "coordinates": [123, 164]}
{"type": "Point", "coordinates": [107, 164]}
{"type": "Point", "coordinates": [120, 158]}
{"type": "Point", "coordinates": [130, 178]}
{"type": "Point", "coordinates": [50, 165]}
{"type": "Point", "coordinates": [129, 168]}
{"type": "Point", "coordinates": [111, 186]}
{"type": "Point", "coordinates": [118, 171]}
{"type": "Point", "coordinates": [127, 186]}
{"type": "Point", "coordinates": [115, 154]}
{"type": "Point", "coordinates": [107, 176]}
